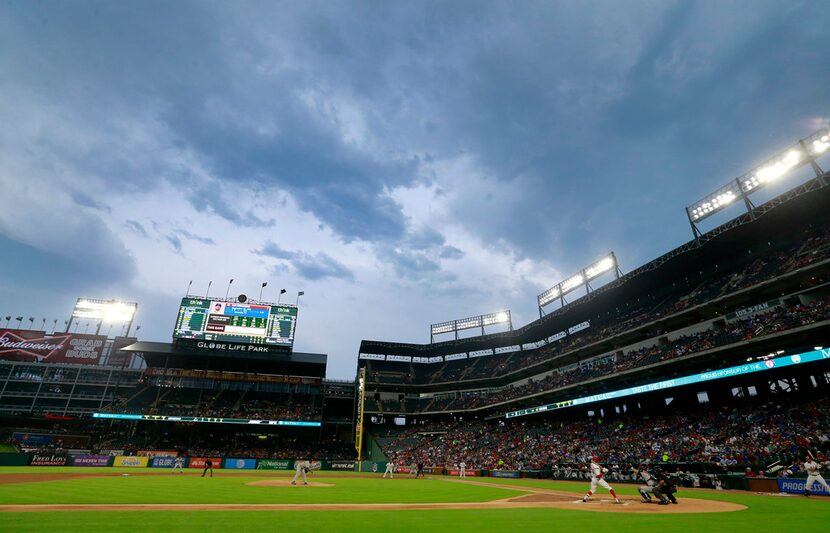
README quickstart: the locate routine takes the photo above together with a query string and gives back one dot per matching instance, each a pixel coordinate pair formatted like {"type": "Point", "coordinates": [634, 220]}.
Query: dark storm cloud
{"type": "Point", "coordinates": [312, 267]}
{"type": "Point", "coordinates": [175, 243]}
{"type": "Point", "coordinates": [136, 227]}
{"type": "Point", "coordinates": [86, 200]}
{"type": "Point", "coordinates": [193, 237]}
{"type": "Point", "coordinates": [581, 108]}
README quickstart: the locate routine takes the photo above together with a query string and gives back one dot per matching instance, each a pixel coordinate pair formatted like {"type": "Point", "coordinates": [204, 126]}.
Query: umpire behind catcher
{"type": "Point", "coordinates": [665, 489]}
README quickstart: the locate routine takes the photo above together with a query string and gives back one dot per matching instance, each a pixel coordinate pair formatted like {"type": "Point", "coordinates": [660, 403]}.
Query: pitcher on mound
{"type": "Point", "coordinates": [597, 472]}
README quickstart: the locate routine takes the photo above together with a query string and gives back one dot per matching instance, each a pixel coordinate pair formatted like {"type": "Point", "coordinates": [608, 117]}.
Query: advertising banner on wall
{"type": "Point", "coordinates": [39, 347]}
{"type": "Point", "coordinates": [117, 357]}
{"type": "Point", "coordinates": [126, 460]}
{"type": "Point", "coordinates": [163, 461]}
{"type": "Point", "coordinates": [505, 473]}
{"type": "Point", "coordinates": [199, 462]}
{"type": "Point", "coordinates": [468, 473]}
{"type": "Point", "coordinates": [48, 459]}
{"type": "Point", "coordinates": [157, 453]}
{"type": "Point", "coordinates": [32, 439]}
{"type": "Point", "coordinates": [275, 464]}
{"type": "Point", "coordinates": [797, 486]}
{"type": "Point", "coordinates": [241, 464]}
{"type": "Point", "coordinates": [342, 465]}
{"type": "Point", "coordinates": [90, 460]}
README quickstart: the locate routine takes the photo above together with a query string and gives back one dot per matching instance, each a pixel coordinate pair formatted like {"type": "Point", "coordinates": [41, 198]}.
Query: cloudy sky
{"type": "Point", "coordinates": [402, 163]}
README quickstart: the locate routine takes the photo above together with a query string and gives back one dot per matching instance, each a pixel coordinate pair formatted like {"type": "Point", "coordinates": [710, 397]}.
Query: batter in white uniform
{"type": "Point", "coordinates": [597, 472]}
{"type": "Point", "coordinates": [813, 475]}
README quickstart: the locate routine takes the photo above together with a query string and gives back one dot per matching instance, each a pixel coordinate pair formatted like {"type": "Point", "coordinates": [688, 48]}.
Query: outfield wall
{"type": "Point", "coordinates": [793, 485]}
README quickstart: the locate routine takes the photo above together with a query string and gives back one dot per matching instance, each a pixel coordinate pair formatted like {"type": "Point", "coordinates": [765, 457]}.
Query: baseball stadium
{"type": "Point", "coordinates": [688, 394]}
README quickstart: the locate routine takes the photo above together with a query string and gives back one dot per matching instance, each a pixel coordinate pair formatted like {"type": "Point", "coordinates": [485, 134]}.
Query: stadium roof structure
{"type": "Point", "coordinates": [707, 254]}
{"type": "Point", "coordinates": [178, 355]}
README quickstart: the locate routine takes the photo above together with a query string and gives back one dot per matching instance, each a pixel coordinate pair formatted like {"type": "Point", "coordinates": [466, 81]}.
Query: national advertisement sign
{"type": "Point", "coordinates": [468, 473]}
{"type": "Point", "coordinates": [48, 459]}
{"type": "Point", "coordinates": [342, 465]}
{"type": "Point", "coordinates": [39, 347]}
{"type": "Point", "coordinates": [157, 453]}
{"type": "Point", "coordinates": [796, 486]}
{"type": "Point", "coordinates": [32, 439]}
{"type": "Point", "coordinates": [131, 461]}
{"type": "Point", "coordinates": [163, 461]}
{"type": "Point", "coordinates": [275, 464]}
{"type": "Point", "coordinates": [90, 460]}
{"type": "Point", "coordinates": [240, 464]}
{"type": "Point", "coordinates": [199, 462]}
{"type": "Point", "coordinates": [505, 473]}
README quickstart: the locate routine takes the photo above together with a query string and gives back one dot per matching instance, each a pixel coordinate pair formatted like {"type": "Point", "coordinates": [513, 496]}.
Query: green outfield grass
{"type": "Point", "coordinates": [764, 513]}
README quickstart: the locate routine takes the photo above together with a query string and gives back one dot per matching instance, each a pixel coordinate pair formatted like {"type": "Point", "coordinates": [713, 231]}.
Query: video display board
{"type": "Point", "coordinates": [251, 323]}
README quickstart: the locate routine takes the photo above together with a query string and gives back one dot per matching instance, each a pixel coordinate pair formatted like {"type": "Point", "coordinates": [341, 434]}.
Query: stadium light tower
{"type": "Point", "coordinates": [480, 321]}
{"type": "Point", "coordinates": [103, 311]}
{"type": "Point", "coordinates": [583, 277]}
{"type": "Point", "coordinates": [803, 152]}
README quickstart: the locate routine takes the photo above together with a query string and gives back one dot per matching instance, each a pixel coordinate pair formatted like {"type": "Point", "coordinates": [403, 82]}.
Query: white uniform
{"type": "Point", "coordinates": [390, 469]}
{"type": "Point", "coordinates": [300, 468]}
{"type": "Point", "coordinates": [596, 472]}
{"type": "Point", "coordinates": [648, 488]}
{"type": "Point", "coordinates": [814, 475]}
{"type": "Point", "coordinates": [462, 469]}
{"type": "Point", "coordinates": [179, 464]}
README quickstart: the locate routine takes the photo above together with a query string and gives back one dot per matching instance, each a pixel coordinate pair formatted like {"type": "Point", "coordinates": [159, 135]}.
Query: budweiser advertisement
{"type": "Point", "coordinates": [39, 347]}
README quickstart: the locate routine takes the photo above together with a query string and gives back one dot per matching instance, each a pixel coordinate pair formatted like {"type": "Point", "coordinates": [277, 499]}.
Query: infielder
{"type": "Point", "coordinates": [597, 472]}
{"type": "Point", "coordinates": [390, 469]}
{"type": "Point", "coordinates": [462, 469]}
{"type": "Point", "coordinates": [300, 469]}
{"type": "Point", "coordinates": [208, 467]}
{"type": "Point", "coordinates": [813, 475]}
{"type": "Point", "coordinates": [178, 464]}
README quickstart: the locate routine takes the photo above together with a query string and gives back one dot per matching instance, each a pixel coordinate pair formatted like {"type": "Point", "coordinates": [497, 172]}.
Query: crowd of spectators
{"type": "Point", "coordinates": [774, 321]}
{"type": "Point", "coordinates": [731, 437]}
{"type": "Point", "coordinates": [222, 404]}
{"type": "Point", "coordinates": [810, 249]}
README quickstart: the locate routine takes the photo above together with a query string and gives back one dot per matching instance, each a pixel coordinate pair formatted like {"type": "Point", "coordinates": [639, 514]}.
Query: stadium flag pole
{"type": "Point", "coordinates": [297, 304]}
{"type": "Point", "coordinates": [264, 283]}
{"type": "Point", "coordinates": [207, 294]}
{"type": "Point", "coordinates": [188, 289]}
{"type": "Point", "coordinates": [279, 298]}
{"type": "Point", "coordinates": [228, 289]}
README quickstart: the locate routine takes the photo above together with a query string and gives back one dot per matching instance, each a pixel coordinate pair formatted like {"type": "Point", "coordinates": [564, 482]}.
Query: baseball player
{"type": "Point", "coordinates": [597, 472]}
{"type": "Point", "coordinates": [208, 466]}
{"type": "Point", "coordinates": [413, 470]}
{"type": "Point", "coordinates": [647, 489]}
{"type": "Point", "coordinates": [420, 471]}
{"type": "Point", "coordinates": [178, 464]}
{"type": "Point", "coordinates": [390, 469]}
{"type": "Point", "coordinates": [664, 489]}
{"type": "Point", "coordinates": [300, 469]}
{"type": "Point", "coordinates": [813, 475]}
{"type": "Point", "coordinates": [462, 469]}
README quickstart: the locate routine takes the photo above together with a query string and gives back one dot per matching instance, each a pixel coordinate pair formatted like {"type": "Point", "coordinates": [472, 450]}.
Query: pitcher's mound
{"type": "Point", "coordinates": [286, 483]}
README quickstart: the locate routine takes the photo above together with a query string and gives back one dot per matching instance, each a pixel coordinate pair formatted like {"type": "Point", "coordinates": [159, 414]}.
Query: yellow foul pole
{"type": "Point", "coordinates": [358, 435]}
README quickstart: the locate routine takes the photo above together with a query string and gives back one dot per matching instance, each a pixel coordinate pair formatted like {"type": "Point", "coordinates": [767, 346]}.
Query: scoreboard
{"type": "Point", "coordinates": [217, 320]}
